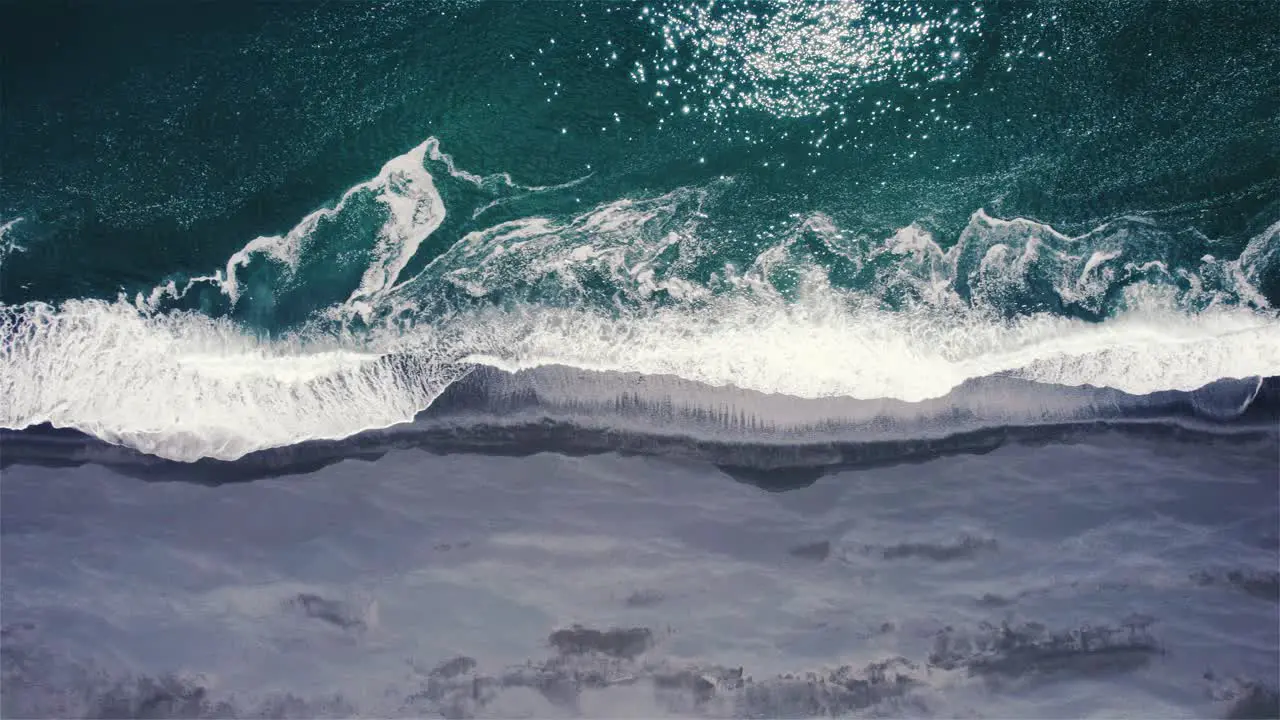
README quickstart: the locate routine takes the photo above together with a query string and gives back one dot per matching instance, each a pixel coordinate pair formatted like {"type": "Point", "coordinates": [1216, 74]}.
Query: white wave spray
{"type": "Point", "coordinates": [9, 244]}
{"type": "Point", "coordinates": [184, 386]}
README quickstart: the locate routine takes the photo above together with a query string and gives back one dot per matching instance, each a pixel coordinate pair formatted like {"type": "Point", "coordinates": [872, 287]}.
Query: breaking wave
{"type": "Point", "coordinates": [364, 313]}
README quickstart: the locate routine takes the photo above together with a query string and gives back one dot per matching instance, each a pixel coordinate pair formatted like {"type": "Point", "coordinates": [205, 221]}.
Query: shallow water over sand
{"type": "Point", "coordinates": [1110, 574]}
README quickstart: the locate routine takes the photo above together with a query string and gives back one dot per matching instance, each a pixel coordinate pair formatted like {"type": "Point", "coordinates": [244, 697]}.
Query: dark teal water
{"type": "Point", "coordinates": [881, 199]}
{"type": "Point", "coordinates": [668, 359]}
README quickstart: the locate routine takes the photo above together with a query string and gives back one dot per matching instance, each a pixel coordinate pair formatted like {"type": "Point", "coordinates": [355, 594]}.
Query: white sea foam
{"type": "Point", "coordinates": [9, 245]}
{"type": "Point", "coordinates": [417, 210]}
{"type": "Point", "coordinates": [816, 348]}
{"type": "Point", "coordinates": [184, 386]}
{"type": "Point", "coordinates": [621, 240]}
{"type": "Point", "coordinates": [413, 208]}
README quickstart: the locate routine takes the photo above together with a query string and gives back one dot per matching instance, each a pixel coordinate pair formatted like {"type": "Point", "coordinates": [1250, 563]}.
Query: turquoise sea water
{"type": "Point", "coordinates": [691, 359]}
{"type": "Point", "coordinates": [238, 212]}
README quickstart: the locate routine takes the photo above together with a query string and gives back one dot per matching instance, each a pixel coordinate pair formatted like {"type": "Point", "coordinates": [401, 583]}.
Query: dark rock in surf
{"type": "Point", "coordinates": [454, 667]}
{"type": "Point", "coordinates": [618, 642]}
{"type": "Point", "coordinates": [818, 551]}
{"type": "Point", "coordinates": [991, 600]}
{"type": "Point", "coordinates": [1028, 649]}
{"type": "Point", "coordinates": [1257, 702]}
{"type": "Point", "coordinates": [967, 547]}
{"type": "Point", "coordinates": [334, 612]}
{"type": "Point", "coordinates": [1261, 585]}
{"type": "Point", "coordinates": [644, 598]}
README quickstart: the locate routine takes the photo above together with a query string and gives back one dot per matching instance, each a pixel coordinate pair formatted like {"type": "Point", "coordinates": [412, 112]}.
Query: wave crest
{"type": "Point", "coordinates": [630, 286]}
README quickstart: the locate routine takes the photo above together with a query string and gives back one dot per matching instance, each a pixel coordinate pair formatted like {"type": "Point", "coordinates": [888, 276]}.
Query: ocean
{"type": "Point", "coordinates": [603, 359]}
